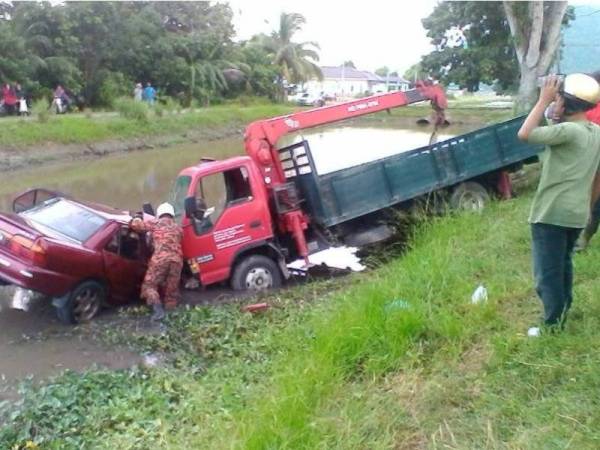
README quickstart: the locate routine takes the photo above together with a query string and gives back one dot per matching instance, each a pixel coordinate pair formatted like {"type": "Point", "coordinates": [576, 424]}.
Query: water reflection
{"type": "Point", "coordinates": [126, 180]}
{"type": "Point", "coordinates": [342, 147]}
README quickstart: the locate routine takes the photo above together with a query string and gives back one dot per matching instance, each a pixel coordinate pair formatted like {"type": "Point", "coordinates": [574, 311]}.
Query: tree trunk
{"type": "Point", "coordinates": [536, 38]}
{"type": "Point", "coordinates": [528, 85]}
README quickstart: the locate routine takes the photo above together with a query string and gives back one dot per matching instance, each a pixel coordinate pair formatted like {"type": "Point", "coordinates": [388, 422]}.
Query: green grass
{"type": "Point", "coordinates": [334, 365]}
{"type": "Point", "coordinates": [79, 129]}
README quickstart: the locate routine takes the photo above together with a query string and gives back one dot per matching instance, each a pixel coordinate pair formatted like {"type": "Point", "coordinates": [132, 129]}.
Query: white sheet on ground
{"type": "Point", "coordinates": [335, 257]}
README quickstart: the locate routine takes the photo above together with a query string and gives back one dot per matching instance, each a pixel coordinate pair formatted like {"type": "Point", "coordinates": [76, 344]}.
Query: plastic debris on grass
{"type": "Point", "coordinates": [480, 295]}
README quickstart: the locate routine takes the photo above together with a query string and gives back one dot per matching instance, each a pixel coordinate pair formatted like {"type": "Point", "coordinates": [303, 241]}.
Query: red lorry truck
{"type": "Point", "coordinates": [245, 218]}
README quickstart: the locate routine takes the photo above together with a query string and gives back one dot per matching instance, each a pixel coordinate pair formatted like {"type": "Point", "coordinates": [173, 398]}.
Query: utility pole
{"type": "Point", "coordinates": [387, 79]}
{"type": "Point", "coordinates": [343, 74]}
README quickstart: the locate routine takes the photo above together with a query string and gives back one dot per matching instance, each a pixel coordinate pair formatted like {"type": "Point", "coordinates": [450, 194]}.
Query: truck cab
{"type": "Point", "coordinates": [223, 207]}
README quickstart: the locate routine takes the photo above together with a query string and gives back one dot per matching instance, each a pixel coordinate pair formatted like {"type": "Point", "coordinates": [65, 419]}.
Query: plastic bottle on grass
{"type": "Point", "coordinates": [480, 295]}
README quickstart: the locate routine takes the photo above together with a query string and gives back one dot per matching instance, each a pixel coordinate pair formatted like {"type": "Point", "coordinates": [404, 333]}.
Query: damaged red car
{"type": "Point", "coordinates": [79, 255]}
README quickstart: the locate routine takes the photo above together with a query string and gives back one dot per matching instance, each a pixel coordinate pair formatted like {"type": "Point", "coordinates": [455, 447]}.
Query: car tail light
{"type": "Point", "coordinates": [34, 251]}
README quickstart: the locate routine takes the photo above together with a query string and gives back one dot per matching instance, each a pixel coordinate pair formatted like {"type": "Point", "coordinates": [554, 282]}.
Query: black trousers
{"type": "Point", "coordinates": [553, 268]}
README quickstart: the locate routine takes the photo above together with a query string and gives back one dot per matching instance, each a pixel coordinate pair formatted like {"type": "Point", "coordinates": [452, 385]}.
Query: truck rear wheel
{"type": "Point", "coordinates": [469, 196]}
{"type": "Point", "coordinates": [256, 273]}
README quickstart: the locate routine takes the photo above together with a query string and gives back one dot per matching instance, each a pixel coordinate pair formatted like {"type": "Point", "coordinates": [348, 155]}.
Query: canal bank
{"type": "Point", "coordinates": [27, 143]}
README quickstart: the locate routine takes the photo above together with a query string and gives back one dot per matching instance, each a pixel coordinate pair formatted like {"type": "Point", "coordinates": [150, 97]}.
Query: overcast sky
{"type": "Point", "coordinates": [371, 34]}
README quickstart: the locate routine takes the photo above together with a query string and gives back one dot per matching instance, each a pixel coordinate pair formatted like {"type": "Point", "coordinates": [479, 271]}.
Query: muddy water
{"type": "Point", "coordinates": [125, 180]}
{"type": "Point", "coordinates": [129, 180]}
{"type": "Point", "coordinates": [34, 342]}
{"type": "Point", "coordinates": [34, 345]}
{"type": "Point", "coordinates": [342, 147]}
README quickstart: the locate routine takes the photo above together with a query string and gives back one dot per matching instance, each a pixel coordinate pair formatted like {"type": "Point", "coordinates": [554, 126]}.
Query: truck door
{"type": "Point", "coordinates": [240, 218]}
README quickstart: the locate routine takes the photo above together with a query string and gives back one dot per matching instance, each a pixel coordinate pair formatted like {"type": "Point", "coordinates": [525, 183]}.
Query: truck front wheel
{"type": "Point", "coordinates": [256, 273]}
{"type": "Point", "coordinates": [469, 196]}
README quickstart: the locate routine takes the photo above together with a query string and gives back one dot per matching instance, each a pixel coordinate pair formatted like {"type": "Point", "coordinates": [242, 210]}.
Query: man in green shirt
{"type": "Point", "coordinates": [568, 185]}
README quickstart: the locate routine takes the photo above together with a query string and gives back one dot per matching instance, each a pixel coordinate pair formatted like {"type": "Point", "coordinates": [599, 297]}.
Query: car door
{"type": "Point", "coordinates": [125, 261]}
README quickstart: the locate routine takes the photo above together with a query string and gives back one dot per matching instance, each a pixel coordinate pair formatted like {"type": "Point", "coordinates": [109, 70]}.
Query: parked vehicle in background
{"type": "Point", "coordinates": [78, 255]}
{"type": "Point", "coordinates": [59, 105]}
{"type": "Point", "coordinates": [310, 99]}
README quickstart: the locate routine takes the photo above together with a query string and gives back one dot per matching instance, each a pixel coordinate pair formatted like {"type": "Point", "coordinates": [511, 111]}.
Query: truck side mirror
{"type": "Point", "coordinates": [148, 209]}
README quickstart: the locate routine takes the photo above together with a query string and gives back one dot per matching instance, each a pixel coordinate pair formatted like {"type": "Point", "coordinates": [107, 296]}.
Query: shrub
{"type": "Point", "coordinates": [159, 109]}
{"type": "Point", "coordinates": [131, 109]}
{"type": "Point", "coordinates": [41, 110]}
{"type": "Point", "coordinates": [114, 86]}
{"type": "Point", "coordinates": [171, 105]}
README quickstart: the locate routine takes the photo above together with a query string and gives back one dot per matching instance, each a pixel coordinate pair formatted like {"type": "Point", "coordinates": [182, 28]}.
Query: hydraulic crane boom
{"type": "Point", "coordinates": [261, 136]}
{"type": "Point", "coordinates": [261, 139]}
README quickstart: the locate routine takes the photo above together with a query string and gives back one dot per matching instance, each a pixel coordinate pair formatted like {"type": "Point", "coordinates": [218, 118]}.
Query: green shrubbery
{"type": "Point", "coordinates": [132, 109]}
{"type": "Point", "coordinates": [41, 110]}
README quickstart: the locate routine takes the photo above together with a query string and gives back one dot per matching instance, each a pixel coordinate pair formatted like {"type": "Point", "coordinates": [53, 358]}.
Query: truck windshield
{"type": "Point", "coordinates": [179, 192]}
{"type": "Point", "coordinates": [66, 218]}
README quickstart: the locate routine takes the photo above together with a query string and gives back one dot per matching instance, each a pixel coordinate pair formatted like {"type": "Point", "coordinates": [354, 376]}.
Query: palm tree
{"type": "Point", "coordinates": [295, 60]}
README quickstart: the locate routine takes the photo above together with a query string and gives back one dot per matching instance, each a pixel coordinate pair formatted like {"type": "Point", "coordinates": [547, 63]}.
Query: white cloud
{"type": "Point", "coordinates": [371, 34]}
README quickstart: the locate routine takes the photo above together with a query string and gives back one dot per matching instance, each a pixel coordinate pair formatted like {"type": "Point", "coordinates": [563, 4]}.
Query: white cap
{"type": "Point", "coordinates": [165, 208]}
{"type": "Point", "coordinates": [583, 87]}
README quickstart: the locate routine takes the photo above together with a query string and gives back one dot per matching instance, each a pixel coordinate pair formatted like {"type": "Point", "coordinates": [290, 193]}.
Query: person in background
{"type": "Point", "coordinates": [164, 268]}
{"type": "Point", "coordinates": [593, 115]}
{"type": "Point", "coordinates": [65, 101]}
{"type": "Point", "coordinates": [568, 182]}
{"type": "Point", "coordinates": [23, 108]}
{"type": "Point", "coordinates": [9, 98]}
{"type": "Point", "coordinates": [149, 94]}
{"type": "Point", "coordinates": [138, 92]}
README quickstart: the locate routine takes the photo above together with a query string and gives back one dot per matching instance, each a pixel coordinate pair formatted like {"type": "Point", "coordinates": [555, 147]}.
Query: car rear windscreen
{"type": "Point", "coordinates": [66, 218]}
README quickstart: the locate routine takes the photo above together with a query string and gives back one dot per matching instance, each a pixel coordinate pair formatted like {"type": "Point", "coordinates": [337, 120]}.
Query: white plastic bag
{"type": "Point", "coordinates": [480, 295]}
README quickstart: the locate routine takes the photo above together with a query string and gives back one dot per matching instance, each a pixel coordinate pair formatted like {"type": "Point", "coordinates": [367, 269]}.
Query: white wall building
{"type": "Point", "coordinates": [348, 82]}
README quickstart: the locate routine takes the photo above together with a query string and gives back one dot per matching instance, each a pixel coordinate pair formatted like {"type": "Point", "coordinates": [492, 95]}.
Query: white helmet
{"type": "Point", "coordinates": [165, 208]}
{"type": "Point", "coordinates": [581, 87]}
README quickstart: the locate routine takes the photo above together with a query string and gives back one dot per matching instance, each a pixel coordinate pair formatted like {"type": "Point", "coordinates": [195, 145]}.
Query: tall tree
{"type": "Point", "coordinates": [296, 60]}
{"type": "Point", "coordinates": [472, 45]}
{"type": "Point", "coordinates": [535, 28]}
{"type": "Point", "coordinates": [349, 64]}
{"type": "Point", "coordinates": [383, 71]}
{"type": "Point", "coordinates": [414, 72]}
{"type": "Point", "coordinates": [202, 33]}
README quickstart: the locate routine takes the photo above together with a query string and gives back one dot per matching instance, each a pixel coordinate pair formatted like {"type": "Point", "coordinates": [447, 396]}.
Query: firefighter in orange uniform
{"type": "Point", "coordinates": [164, 268]}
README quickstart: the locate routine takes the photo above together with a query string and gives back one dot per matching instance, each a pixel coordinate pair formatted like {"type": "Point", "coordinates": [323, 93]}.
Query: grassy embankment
{"type": "Point", "coordinates": [18, 133]}
{"type": "Point", "coordinates": [339, 365]}
{"type": "Point", "coordinates": [81, 129]}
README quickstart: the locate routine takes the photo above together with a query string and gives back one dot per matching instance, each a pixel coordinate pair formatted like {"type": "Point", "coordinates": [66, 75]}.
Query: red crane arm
{"type": "Point", "coordinates": [261, 136]}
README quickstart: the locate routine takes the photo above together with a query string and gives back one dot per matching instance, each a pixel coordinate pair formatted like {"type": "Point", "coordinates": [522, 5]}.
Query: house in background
{"type": "Point", "coordinates": [339, 81]}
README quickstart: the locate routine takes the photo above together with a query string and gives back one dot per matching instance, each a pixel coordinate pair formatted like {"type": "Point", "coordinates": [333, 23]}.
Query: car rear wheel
{"type": "Point", "coordinates": [83, 303]}
{"type": "Point", "coordinates": [256, 273]}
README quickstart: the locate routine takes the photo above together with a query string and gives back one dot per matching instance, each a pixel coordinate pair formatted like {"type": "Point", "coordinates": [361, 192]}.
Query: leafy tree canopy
{"type": "Point", "coordinates": [185, 49]}
{"type": "Point", "coordinates": [473, 45]}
